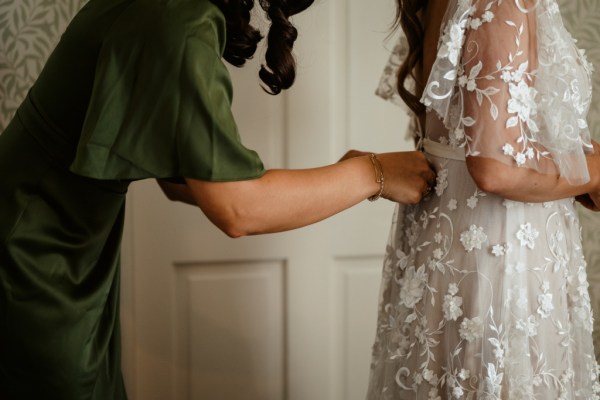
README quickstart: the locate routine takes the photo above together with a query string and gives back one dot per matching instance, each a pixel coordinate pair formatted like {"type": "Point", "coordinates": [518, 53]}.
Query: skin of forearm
{"type": "Point", "coordinates": [281, 200]}
{"type": "Point", "coordinates": [524, 184]}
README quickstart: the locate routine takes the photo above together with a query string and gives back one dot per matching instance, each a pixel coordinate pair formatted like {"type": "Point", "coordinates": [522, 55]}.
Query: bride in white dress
{"type": "Point", "coordinates": [484, 292]}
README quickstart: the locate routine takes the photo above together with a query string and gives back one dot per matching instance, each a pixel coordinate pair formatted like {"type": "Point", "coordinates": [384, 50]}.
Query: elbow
{"type": "Point", "coordinates": [231, 227]}
{"type": "Point", "coordinates": [233, 224]}
{"type": "Point", "coordinates": [490, 176]}
{"type": "Point", "coordinates": [488, 184]}
{"type": "Point", "coordinates": [233, 231]}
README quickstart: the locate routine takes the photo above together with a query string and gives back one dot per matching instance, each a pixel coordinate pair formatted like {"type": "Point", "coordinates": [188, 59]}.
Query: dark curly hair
{"type": "Point", "coordinates": [409, 20]}
{"type": "Point", "coordinates": [279, 72]}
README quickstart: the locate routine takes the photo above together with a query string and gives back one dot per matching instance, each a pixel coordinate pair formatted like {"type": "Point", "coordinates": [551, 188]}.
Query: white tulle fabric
{"type": "Point", "coordinates": [482, 297]}
{"type": "Point", "coordinates": [512, 66]}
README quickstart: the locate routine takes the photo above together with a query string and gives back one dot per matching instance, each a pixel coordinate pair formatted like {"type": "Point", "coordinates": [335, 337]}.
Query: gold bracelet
{"type": "Point", "coordinates": [378, 176]}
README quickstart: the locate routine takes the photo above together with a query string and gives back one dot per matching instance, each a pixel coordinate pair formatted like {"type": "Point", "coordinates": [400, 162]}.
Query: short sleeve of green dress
{"type": "Point", "coordinates": [161, 100]}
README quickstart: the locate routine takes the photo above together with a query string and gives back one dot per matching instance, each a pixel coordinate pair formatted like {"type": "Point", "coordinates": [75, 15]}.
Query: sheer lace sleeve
{"type": "Point", "coordinates": [387, 88]}
{"type": "Point", "coordinates": [388, 83]}
{"type": "Point", "coordinates": [510, 85]}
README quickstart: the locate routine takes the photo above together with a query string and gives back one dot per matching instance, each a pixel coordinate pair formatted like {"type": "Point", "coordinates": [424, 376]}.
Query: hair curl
{"type": "Point", "coordinates": [279, 72]}
{"type": "Point", "coordinates": [409, 20]}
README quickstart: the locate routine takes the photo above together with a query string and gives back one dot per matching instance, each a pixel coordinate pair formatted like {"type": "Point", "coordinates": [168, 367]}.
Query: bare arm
{"type": "Point", "coordinates": [501, 134]}
{"type": "Point", "coordinates": [528, 185]}
{"type": "Point", "coordinates": [287, 199]}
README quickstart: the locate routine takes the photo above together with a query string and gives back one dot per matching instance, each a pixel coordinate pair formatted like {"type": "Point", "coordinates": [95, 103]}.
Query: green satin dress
{"type": "Point", "coordinates": [135, 89]}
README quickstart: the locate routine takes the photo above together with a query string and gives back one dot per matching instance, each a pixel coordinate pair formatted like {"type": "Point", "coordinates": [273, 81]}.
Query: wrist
{"type": "Point", "coordinates": [379, 177]}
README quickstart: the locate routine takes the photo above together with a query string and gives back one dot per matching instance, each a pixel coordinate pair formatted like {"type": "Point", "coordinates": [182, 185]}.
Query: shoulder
{"type": "Point", "coordinates": [167, 24]}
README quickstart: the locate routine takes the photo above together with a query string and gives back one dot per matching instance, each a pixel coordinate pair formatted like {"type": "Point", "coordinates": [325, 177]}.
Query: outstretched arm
{"type": "Point", "coordinates": [287, 199]}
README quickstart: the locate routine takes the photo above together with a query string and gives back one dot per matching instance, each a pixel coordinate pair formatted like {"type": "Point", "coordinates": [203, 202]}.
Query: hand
{"type": "Point", "coordinates": [408, 176]}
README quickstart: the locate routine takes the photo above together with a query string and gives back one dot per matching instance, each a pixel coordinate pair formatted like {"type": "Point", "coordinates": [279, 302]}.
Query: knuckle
{"type": "Point", "coordinates": [414, 197]}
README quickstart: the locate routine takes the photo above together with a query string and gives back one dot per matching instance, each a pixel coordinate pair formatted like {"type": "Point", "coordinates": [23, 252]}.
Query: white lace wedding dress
{"type": "Point", "coordinates": [483, 297]}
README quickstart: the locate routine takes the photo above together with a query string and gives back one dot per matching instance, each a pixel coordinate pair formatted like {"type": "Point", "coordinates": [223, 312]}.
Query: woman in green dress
{"type": "Point", "coordinates": [137, 89]}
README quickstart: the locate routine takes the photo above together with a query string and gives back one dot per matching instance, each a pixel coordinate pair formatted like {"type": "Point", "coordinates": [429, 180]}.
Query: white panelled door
{"type": "Point", "coordinates": [274, 317]}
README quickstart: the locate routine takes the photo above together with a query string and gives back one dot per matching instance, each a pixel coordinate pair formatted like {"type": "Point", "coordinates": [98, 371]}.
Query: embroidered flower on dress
{"type": "Point", "coordinates": [418, 378]}
{"type": "Point", "coordinates": [421, 331]}
{"type": "Point", "coordinates": [520, 158]}
{"type": "Point", "coordinates": [499, 353]}
{"type": "Point", "coordinates": [493, 381]}
{"type": "Point", "coordinates": [527, 235]}
{"type": "Point", "coordinates": [403, 259]}
{"type": "Point", "coordinates": [522, 300]}
{"type": "Point", "coordinates": [475, 23]}
{"type": "Point", "coordinates": [529, 153]}
{"type": "Point", "coordinates": [501, 249]}
{"type": "Point", "coordinates": [452, 42]}
{"type": "Point", "coordinates": [412, 286]}
{"type": "Point", "coordinates": [452, 204]}
{"type": "Point", "coordinates": [546, 306]}
{"type": "Point", "coordinates": [560, 260]}
{"type": "Point", "coordinates": [430, 377]}
{"type": "Point", "coordinates": [458, 136]}
{"type": "Point", "coordinates": [412, 233]}
{"type": "Point", "coordinates": [470, 84]}
{"type": "Point", "coordinates": [441, 182]}
{"type": "Point", "coordinates": [522, 103]}
{"type": "Point", "coordinates": [472, 202]}
{"type": "Point", "coordinates": [452, 306]}
{"type": "Point", "coordinates": [473, 238]}
{"type": "Point", "coordinates": [453, 288]}
{"type": "Point", "coordinates": [487, 16]}
{"type": "Point", "coordinates": [508, 150]}
{"type": "Point", "coordinates": [434, 394]}
{"type": "Point", "coordinates": [528, 326]}
{"type": "Point", "coordinates": [498, 250]}
{"type": "Point", "coordinates": [457, 392]}
{"type": "Point", "coordinates": [471, 329]}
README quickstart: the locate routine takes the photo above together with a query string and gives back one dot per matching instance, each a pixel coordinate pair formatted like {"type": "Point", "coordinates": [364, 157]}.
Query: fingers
{"type": "Point", "coordinates": [429, 176]}
{"type": "Point", "coordinates": [408, 176]}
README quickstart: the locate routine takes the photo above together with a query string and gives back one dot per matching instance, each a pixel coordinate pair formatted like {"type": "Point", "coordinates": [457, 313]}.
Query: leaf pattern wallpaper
{"type": "Point", "coordinates": [582, 18]}
{"type": "Point", "coordinates": [29, 30]}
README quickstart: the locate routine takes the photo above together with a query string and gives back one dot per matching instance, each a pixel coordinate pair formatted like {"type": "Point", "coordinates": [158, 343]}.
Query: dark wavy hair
{"type": "Point", "coordinates": [279, 72]}
{"type": "Point", "coordinates": [409, 20]}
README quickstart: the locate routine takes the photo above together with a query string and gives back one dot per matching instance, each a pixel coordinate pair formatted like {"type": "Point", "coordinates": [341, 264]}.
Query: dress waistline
{"type": "Point", "coordinates": [442, 150]}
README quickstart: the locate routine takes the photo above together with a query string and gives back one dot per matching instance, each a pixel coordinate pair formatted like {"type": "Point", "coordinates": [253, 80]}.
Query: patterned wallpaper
{"type": "Point", "coordinates": [29, 32]}
{"type": "Point", "coordinates": [582, 18]}
{"type": "Point", "coordinates": [31, 28]}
